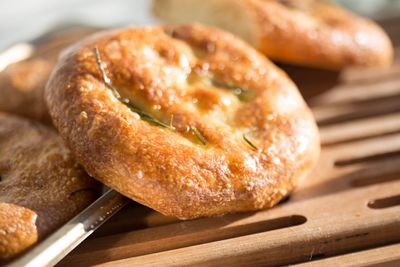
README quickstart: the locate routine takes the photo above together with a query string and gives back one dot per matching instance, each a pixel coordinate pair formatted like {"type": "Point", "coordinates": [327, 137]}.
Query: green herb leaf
{"type": "Point", "coordinates": [198, 134]}
{"type": "Point", "coordinates": [249, 142]}
{"type": "Point", "coordinates": [106, 80]}
{"type": "Point", "coordinates": [243, 94]}
{"type": "Point", "coordinates": [143, 115]}
{"type": "Point", "coordinates": [171, 121]}
{"type": "Point", "coordinates": [147, 117]}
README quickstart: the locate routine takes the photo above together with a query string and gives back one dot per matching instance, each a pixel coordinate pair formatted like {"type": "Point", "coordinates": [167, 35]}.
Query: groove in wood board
{"type": "Point", "coordinates": [383, 203]}
{"type": "Point", "coordinates": [375, 177]}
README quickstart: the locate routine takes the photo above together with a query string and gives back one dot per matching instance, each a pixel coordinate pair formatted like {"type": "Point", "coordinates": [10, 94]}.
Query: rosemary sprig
{"type": "Point", "coordinates": [249, 142]}
{"type": "Point", "coordinates": [143, 115]}
{"type": "Point", "coordinates": [198, 134]}
{"type": "Point", "coordinates": [243, 94]}
{"type": "Point", "coordinates": [147, 117]}
{"type": "Point", "coordinates": [106, 80]}
{"type": "Point", "coordinates": [171, 122]}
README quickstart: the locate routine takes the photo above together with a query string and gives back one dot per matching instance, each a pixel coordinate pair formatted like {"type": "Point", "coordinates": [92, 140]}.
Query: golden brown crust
{"type": "Point", "coordinates": [321, 34]}
{"type": "Point", "coordinates": [183, 76]}
{"type": "Point", "coordinates": [41, 185]}
{"type": "Point", "coordinates": [22, 83]}
{"type": "Point", "coordinates": [305, 32]}
{"type": "Point", "coordinates": [17, 230]}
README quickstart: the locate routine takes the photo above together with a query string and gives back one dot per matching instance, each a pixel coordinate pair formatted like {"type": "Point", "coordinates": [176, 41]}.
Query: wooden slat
{"type": "Point", "coordinates": [354, 76]}
{"type": "Point", "coordinates": [388, 256]}
{"type": "Point", "coordinates": [326, 115]}
{"type": "Point", "coordinates": [365, 150]}
{"type": "Point", "coordinates": [346, 178]}
{"type": "Point", "coordinates": [360, 92]}
{"type": "Point", "coordinates": [360, 129]}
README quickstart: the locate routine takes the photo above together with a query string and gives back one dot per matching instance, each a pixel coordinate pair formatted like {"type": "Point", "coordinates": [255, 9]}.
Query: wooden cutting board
{"type": "Point", "coordinates": [346, 212]}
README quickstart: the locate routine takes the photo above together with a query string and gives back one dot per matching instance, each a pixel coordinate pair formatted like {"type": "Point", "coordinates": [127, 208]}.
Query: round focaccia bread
{"type": "Point", "coordinates": [41, 185]}
{"type": "Point", "coordinates": [305, 32]}
{"type": "Point", "coordinates": [22, 83]}
{"type": "Point", "coordinates": [188, 120]}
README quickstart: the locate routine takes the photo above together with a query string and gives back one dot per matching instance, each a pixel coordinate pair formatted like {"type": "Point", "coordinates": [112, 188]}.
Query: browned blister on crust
{"type": "Point", "coordinates": [17, 230]}
{"type": "Point", "coordinates": [232, 133]}
{"type": "Point", "coordinates": [305, 32]}
{"type": "Point", "coordinates": [41, 185]}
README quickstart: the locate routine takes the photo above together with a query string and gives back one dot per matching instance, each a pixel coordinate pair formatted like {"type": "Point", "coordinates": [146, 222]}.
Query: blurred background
{"type": "Point", "coordinates": [26, 19]}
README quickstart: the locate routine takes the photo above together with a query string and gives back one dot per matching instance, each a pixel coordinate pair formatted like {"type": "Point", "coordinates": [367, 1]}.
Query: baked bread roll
{"type": "Point", "coordinates": [41, 185]}
{"type": "Point", "coordinates": [305, 32]}
{"type": "Point", "coordinates": [188, 120]}
{"type": "Point", "coordinates": [22, 86]}
{"type": "Point", "coordinates": [22, 83]}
